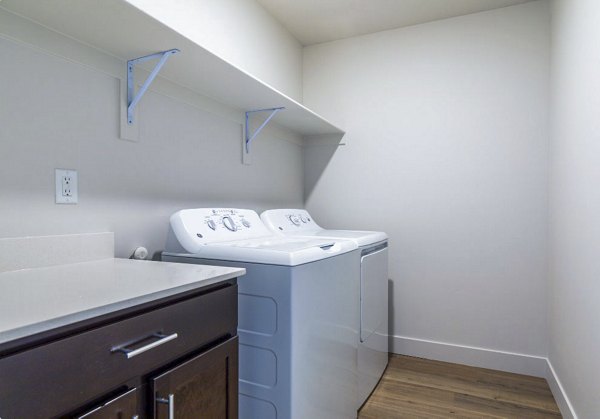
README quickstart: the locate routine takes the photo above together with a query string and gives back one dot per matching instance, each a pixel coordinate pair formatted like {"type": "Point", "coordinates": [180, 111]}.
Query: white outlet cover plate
{"type": "Point", "coordinates": [61, 197]}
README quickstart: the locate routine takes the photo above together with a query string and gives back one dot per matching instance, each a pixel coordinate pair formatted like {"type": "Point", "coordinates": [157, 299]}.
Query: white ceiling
{"type": "Point", "coordinates": [316, 21]}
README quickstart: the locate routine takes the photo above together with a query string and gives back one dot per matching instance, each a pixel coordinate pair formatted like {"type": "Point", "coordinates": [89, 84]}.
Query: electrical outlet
{"type": "Point", "coordinates": [66, 186]}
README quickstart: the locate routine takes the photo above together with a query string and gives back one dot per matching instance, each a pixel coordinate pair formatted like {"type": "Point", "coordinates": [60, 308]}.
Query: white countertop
{"type": "Point", "coordinates": [37, 300]}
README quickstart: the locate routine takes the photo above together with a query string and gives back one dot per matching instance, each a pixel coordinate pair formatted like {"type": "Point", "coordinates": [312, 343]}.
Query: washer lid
{"type": "Point", "coordinates": [299, 223]}
{"type": "Point", "coordinates": [361, 238]}
{"type": "Point", "coordinates": [239, 235]}
{"type": "Point", "coordinates": [276, 250]}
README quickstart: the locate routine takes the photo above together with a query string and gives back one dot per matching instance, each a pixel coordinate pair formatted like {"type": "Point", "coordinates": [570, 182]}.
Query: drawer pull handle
{"type": "Point", "coordinates": [170, 401]}
{"type": "Point", "coordinates": [130, 353]}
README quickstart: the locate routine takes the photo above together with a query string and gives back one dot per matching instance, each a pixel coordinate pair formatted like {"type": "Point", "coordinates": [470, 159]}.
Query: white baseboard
{"type": "Point", "coordinates": [560, 396]}
{"type": "Point", "coordinates": [537, 366]}
{"type": "Point", "coordinates": [470, 355]}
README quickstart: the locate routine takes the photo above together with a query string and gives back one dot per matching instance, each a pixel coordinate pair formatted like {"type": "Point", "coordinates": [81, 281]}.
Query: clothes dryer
{"type": "Point", "coordinates": [373, 279]}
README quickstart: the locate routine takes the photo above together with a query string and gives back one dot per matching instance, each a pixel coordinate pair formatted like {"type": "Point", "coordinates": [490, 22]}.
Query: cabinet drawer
{"type": "Point", "coordinates": [123, 407]}
{"type": "Point", "coordinates": [52, 379]}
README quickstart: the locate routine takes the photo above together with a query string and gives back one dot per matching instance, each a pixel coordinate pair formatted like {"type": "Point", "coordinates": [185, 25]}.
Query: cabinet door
{"type": "Point", "coordinates": [203, 387]}
{"type": "Point", "coordinates": [122, 407]}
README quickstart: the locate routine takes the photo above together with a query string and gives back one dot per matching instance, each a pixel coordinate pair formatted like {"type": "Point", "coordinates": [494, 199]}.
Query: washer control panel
{"type": "Point", "coordinates": [289, 221]}
{"type": "Point", "coordinates": [201, 226]}
{"type": "Point", "coordinates": [229, 223]}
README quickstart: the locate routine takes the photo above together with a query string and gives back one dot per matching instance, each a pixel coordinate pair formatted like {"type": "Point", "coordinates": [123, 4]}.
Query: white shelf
{"type": "Point", "coordinates": [124, 31]}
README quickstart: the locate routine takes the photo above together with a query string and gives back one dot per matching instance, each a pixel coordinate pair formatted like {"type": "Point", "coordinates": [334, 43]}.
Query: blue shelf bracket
{"type": "Point", "coordinates": [250, 137]}
{"type": "Point", "coordinates": [133, 98]}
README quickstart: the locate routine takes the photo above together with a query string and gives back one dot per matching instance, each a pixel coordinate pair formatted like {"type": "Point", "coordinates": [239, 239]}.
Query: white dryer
{"type": "Point", "coordinates": [296, 324]}
{"type": "Point", "coordinates": [373, 301]}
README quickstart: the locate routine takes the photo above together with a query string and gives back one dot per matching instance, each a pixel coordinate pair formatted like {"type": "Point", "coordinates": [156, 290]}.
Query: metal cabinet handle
{"type": "Point", "coordinates": [170, 401]}
{"type": "Point", "coordinates": [130, 353]}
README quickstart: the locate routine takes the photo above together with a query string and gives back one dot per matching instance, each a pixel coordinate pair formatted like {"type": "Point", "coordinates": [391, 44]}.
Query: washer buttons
{"type": "Point", "coordinates": [229, 223]}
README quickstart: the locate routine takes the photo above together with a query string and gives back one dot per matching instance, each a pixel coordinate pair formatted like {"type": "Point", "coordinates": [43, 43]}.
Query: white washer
{"type": "Point", "coordinates": [373, 345]}
{"type": "Point", "coordinates": [296, 316]}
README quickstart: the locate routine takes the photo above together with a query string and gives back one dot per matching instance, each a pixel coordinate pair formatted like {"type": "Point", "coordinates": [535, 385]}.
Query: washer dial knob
{"type": "Point", "coordinates": [246, 223]}
{"type": "Point", "coordinates": [294, 220]}
{"type": "Point", "coordinates": [229, 223]}
{"type": "Point", "coordinates": [303, 219]}
{"type": "Point", "coordinates": [211, 224]}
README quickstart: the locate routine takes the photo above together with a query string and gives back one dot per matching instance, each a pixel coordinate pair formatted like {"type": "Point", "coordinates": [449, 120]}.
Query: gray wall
{"type": "Point", "coordinates": [448, 153]}
{"type": "Point", "coordinates": [575, 203]}
{"type": "Point", "coordinates": [64, 113]}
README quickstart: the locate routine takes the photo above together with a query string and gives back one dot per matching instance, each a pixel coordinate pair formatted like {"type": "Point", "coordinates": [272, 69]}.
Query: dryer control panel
{"type": "Point", "coordinates": [201, 226]}
{"type": "Point", "coordinates": [288, 221]}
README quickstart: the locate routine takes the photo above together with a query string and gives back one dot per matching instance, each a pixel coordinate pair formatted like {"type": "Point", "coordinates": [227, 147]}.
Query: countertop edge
{"type": "Point", "coordinates": [27, 335]}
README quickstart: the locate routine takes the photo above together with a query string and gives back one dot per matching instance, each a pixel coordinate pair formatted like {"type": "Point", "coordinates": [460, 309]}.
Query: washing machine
{"type": "Point", "coordinates": [373, 279]}
{"type": "Point", "coordinates": [296, 313]}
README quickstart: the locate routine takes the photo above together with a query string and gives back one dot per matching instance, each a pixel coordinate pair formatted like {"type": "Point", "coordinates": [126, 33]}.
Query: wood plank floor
{"type": "Point", "coordinates": [420, 388]}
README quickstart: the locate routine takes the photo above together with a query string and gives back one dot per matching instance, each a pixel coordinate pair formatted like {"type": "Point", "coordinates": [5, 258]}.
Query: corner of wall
{"type": "Point", "coordinates": [559, 393]}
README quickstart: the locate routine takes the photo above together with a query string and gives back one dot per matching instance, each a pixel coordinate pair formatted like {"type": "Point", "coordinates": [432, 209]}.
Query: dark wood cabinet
{"type": "Point", "coordinates": [206, 386]}
{"type": "Point", "coordinates": [126, 367]}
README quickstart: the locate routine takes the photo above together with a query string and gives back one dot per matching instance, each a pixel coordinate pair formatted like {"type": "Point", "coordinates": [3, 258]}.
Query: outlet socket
{"type": "Point", "coordinates": [66, 186]}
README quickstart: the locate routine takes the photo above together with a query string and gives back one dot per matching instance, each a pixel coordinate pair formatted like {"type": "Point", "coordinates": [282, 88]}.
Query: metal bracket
{"type": "Point", "coordinates": [131, 100]}
{"type": "Point", "coordinates": [250, 137]}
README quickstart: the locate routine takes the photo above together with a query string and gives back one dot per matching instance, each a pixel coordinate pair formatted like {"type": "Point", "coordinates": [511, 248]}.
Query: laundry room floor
{"type": "Point", "coordinates": [420, 388]}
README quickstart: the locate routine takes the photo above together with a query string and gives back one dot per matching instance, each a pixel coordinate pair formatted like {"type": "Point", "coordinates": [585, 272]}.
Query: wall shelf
{"type": "Point", "coordinates": [120, 29]}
